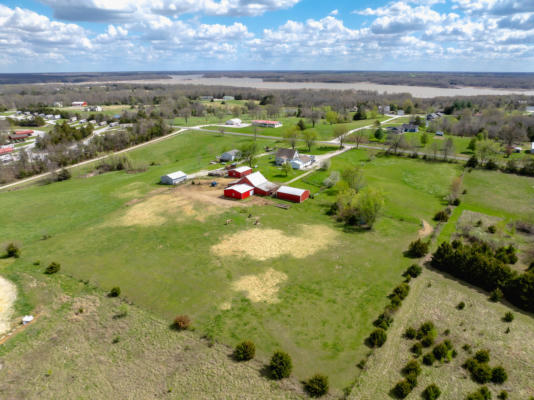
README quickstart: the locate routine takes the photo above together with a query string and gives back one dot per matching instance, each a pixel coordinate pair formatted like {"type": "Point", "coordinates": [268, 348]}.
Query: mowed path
{"type": "Point", "coordinates": [8, 295]}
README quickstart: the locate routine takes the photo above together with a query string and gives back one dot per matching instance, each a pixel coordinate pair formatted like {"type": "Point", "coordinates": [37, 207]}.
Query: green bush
{"type": "Point", "coordinates": [496, 295]}
{"type": "Point", "coordinates": [441, 216]}
{"type": "Point", "coordinates": [115, 292]}
{"type": "Point", "coordinates": [417, 349]}
{"type": "Point", "coordinates": [402, 290]}
{"type": "Point", "coordinates": [428, 359]}
{"type": "Point", "coordinates": [12, 250]}
{"type": "Point", "coordinates": [402, 389]}
{"type": "Point", "coordinates": [63, 175]}
{"type": "Point", "coordinates": [472, 162]}
{"type": "Point", "coordinates": [410, 333]}
{"type": "Point", "coordinates": [440, 351]}
{"type": "Point", "coordinates": [431, 392]}
{"type": "Point", "coordinates": [499, 375]}
{"type": "Point", "coordinates": [425, 329]}
{"type": "Point", "coordinates": [377, 338]}
{"type": "Point", "coordinates": [413, 271]}
{"type": "Point", "coordinates": [508, 317]}
{"type": "Point", "coordinates": [492, 229]}
{"type": "Point", "coordinates": [482, 356]}
{"type": "Point", "coordinates": [418, 249]}
{"type": "Point", "coordinates": [52, 268]}
{"type": "Point", "coordinates": [503, 395]}
{"type": "Point", "coordinates": [481, 394]}
{"type": "Point", "coordinates": [427, 341]}
{"type": "Point", "coordinates": [317, 385]}
{"type": "Point", "coordinates": [244, 351]}
{"type": "Point", "coordinates": [412, 368]}
{"type": "Point", "coordinates": [280, 366]}
{"type": "Point", "coordinates": [461, 305]}
{"type": "Point", "coordinates": [481, 373]}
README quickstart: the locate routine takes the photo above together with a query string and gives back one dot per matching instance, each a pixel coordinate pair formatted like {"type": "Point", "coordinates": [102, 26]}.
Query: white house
{"type": "Point", "coordinates": [57, 116]}
{"type": "Point", "coordinates": [400, 112]}
{"type": "Point", "coordinates": [230, 155]}
{"type": "Point", "coordinates": [174, 178]}
{"type": "Point", "coordinates": [228, 98]}
{"type": "Point", "coordinates": [234, 122]}
{"type": "Point", "coordinates": [297, 161]}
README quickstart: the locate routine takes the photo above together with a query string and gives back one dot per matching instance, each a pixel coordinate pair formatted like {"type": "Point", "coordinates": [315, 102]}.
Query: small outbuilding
{"type": "Point", "coordinates": [240, 172]}
{"type": "Point", "coordinates": [230, 155]}
{"type": "Point", "coordinates": [292, 194]}
{"type": "Point", "coordinates": [234, 122]}
{"type": "Point", "coordinates": [262, 187]}
{"type": "Point", "coordinates": [173, 179]}
{"type": "Point", "coordinates": [240, 192]}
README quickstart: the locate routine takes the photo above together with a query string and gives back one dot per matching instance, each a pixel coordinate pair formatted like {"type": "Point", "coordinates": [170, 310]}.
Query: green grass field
{"type": "Point", "coordinates": [171, 255]}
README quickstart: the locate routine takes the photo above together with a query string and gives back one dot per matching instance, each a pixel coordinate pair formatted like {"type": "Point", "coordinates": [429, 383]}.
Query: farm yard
{"type": "Point", "coordinates": [294, 279]}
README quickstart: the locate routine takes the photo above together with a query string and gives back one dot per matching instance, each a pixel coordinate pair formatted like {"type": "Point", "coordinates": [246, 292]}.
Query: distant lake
{"type": "Point", "coordinates": [416, 91]}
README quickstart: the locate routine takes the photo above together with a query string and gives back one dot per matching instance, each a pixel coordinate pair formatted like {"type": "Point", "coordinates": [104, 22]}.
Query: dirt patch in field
{"type": "Point", "coordinates": [8, 295]}
{"type": "Point", "coordinates": [262, 287]}
{"type": "Point", "coordinates": [263, 244]}
{"type": "Point", "coordinates": [426, 230]}
{"type": "Point", "coordinates": [185, 202]}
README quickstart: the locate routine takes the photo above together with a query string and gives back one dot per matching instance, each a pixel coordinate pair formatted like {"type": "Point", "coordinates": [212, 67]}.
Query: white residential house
{"type": "Point", "coordinates": [174, 178]}
{"type": "Point", "coordinates": [234, 122]}
{"type": "Point", "coordinates": [230, 155]}
{"type": "Point", "coordinates": [400, 112]}
{"type": "Point", "coordinates": [297, 161]}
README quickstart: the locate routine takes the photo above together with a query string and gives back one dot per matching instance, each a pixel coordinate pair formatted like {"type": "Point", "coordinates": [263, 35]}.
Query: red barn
{"type": "Point", "coordinates": [20, 136]}
{"type": "Point", "coordinates": [292, 194]}
{"type": "Point", "coordinates": [262, 187]}
{"type": "Point", "coordinates": [6, 150]}
{"type": "Point", "coordinates": [240, 172]}
{"type": "Point", "coordinates": [239, 192]}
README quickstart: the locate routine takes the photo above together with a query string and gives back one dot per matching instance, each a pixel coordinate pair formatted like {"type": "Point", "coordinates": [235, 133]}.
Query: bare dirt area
{"type": "Point", "coordinates": [8, 295]}
{"type": "Point", "coordinates": [198, 202]}
{"type": "Point", "coordinates": [426, 230]}
{"type": "Point", "coordinates": [262, 287]}
{"type": "Point", "coordinates": [264, 244]}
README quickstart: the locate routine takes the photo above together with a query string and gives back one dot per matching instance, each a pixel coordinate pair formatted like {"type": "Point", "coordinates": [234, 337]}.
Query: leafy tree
{"type": "Point", "coordinates": [245, 351]}
{"type": "Point", "coordinates": [353, 176]}
{"type": "Point", "coordinates": [317, 385]}
{"type": "Point", "coordinates": [360, 114]}
{"type": "Point", "coordinates": [472, 145]}
{"type": "Point", "coordinates": [310, 137]}
{"type": "Point", "coordinates": [418, 249]}
{"type": "Point", "coordinates": [377, 338]}
{"type": "Point", "coordinates": [301, 125]}
{"type": "Point", "coordinates": [486, 150]}
{"type": "Point", "coordinates": [413, 271]}
{"type": "Point", "coordinates": [339, 133]}
{"type": "Point", "coordinates": [280, 365]}
{"type": "Point", "coordinates": [63, 175]}
{"type": "Point", "coordinates": [359, 137]}
{"type": "Point", "coordinates": [331, 117]}
{"type": "Point", "coordinates": [291, 136]}
{"type": "Point", "coordinates": [248, 152]}
{"type": "Point", "coordinates": [472, 162]}
{"type": "Point", "coordinates": [286, 168]}
{"type": "Point", "coordinates": [379, 134]}
{"type": "Point", "coordinates": [424, 139]}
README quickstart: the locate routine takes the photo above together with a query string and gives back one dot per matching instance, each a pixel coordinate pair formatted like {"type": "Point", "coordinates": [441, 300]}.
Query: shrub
{"type": "Point", "coordinates": [456, 202]}
{"type": "Point", "coordinates": [498, 375]}
{"type": "Point", "coordinates": [418, 249]}
{"type": "Point", "coordinates": [63, 175]}
{"type": "Point", "coordinates": [383, 321]}
{"type": "Point", "coordinates": [503, 395]}
{"type": "Point", "coordinates": [426, 328]}
{"type": "Point", "coordinates": [377, 338]}
{"type": "Point", "coordinates": [481, 394]}
{"type": "Point", "coordinates": [440, 351]}
{"type": "Point", "coordinates": [115, 292]}
{"type": "Point", "coordinates": [182, 322]}
{"type": "Point", "coordinates": [482, 356]}
{"type": "Point", "coordinates": [496, 295]}
{"type": "Point", "coordinates": [413, 271]}
{"type": "Point", "coordinates": [395, 302]}
{"type": "Point", "coordinates": [402, 389]}
{"type": "Point", "coordinates": [402, 290]}
{"type": "Point", "coordinates": [417, 349]}
{"type": "Point", "coordinates": [427, 341]}
{"type": "Point", "coordinates": [492, 229]}
{"type": "Point", "coordinates": [461, 305]}
{"type": "Point", "coordinates": [280, 366]}
{"type": "Point", "coordinates": [244, 351]}
{"type": "Point", "coordinates": [412, 368]}
{"type": "Point", "coordinates": [428, 359]}
{"type": "Point", "coordinates": [481, 373]}
{"type": "Point", "coordinates": [317, 385]}
{"type": "Point", "coordinates": [441, 216]}
{"type": "Point", "coordinates": [52, 268]}
{"type": "Point", "coordinates": [12, 250]}
{"type": "Point", "coordinates": [431, 392]}
{"type": "Point", "coordinates": [472, 162]}
{"type": "Point", "coordinates": [410, 333]}
{"type": "Point", "coordinates": [508, 317]}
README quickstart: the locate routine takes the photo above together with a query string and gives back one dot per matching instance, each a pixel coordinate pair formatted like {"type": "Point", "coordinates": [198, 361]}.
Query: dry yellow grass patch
{"type": "Point", "coordinates": [262, 287]}
{"type": "Point", "coordinates": [8, 295]}
{"type": "Point", "coordinates": [263, 244]}
{"type": "Point", "coordinates": [426, 230]}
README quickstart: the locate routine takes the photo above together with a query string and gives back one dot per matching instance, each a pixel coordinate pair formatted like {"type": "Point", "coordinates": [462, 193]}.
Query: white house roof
{"type": "Point", "coordinates": [235, 121]}
{"type": "Point", "coordinates": [242, 188]}
{"type": "Point", "coordinates": [242, 169]}
{"type": "Point", "coordinates": [532, 144]}
{"type": "Point", "coordinates": [291, 190]}
{"type": "Point", "coordinates": [256, 179]}
{"type": "Point", "coordinates": [176, 175]}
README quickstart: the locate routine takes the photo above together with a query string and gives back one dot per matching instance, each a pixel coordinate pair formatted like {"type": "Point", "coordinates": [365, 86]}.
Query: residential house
{"type": "Point", "coordinates": [286, 155]}
{"type": "Point", "coordinates": [174, 178]}
{"type": "Point", "coordinates": [230, 155]}
{"type": "Point", "coordinates": [413, 128]}
{"type": "Point", "coordinates": [234, 122]}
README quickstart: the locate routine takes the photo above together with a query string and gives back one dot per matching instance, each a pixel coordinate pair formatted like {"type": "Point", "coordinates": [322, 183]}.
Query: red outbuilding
{"type": "Point", "coordinates": [292, 194]}
{"type": "Point", "coordinates": [239, 192]}
{"type": "Point", "coordinates": [262, 187]}
{"type": "Point", "coordinates": [6, 150]}
{"type": "Point", "coordinates": [20, 136]}
{"type": "Point", "coordinates": [240, 172]}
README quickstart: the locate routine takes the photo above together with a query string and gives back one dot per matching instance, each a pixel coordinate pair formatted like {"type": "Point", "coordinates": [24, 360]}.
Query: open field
{"type": "Point", "coordinates": [298, 280]}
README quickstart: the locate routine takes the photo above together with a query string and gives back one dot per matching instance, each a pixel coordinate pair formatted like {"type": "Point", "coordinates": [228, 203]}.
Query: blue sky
{"type": "Point", "coordinates": [106, 35]}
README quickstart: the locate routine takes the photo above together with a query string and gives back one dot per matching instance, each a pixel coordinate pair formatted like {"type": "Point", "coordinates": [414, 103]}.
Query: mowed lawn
{"type": "Point", "coordinates": [320, 312]}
